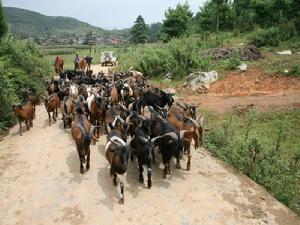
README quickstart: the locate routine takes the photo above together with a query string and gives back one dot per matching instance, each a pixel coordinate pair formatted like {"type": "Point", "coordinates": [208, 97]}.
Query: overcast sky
{"type": "Point", "coordinates": [108, 14]}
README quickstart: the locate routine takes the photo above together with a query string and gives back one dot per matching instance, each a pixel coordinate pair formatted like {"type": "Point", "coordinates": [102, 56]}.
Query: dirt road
{"type": "Point", "coordinates": [40, 183]}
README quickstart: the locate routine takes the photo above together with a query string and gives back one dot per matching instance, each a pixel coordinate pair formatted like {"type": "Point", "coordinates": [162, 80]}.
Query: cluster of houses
{"type": "Point", "coordinates": [93, 39]}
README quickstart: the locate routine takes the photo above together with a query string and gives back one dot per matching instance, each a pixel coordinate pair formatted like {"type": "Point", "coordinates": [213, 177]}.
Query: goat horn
{"type": "Point", "coordinates": [193, 121]}
{"type": "Point", "coordinates": [160, 108]}
{"type": "Point", "coordinates": [145, 140]}
{"type": "Point", "coordinates": [181, 106]}
{"type": "Point", "coordinates": [171, 134]}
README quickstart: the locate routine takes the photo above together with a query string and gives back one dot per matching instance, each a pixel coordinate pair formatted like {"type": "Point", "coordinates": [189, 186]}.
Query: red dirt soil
{"type": "Point", "coordinates": [241, 90]}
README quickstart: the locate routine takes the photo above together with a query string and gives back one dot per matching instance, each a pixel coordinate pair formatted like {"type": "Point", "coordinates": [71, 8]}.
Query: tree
{"type": "Point", "coordinates": [215, 15]}
{"type": "Point", "coordinates": [3, 25]}
{"type": "Point", "coordinates": [177, 21]}
{"type": "Point", "coordinates": [139, 31]}
{"type": "Point", "coordinates": [154, 32]}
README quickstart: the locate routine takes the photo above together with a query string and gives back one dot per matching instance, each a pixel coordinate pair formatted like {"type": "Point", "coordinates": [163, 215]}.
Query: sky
{"type": "Point", "coordinates": [107, 14]}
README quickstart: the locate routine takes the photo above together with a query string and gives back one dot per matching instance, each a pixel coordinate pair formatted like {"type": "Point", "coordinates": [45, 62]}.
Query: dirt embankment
{"type": "Point", "coordinates": [249, 88]}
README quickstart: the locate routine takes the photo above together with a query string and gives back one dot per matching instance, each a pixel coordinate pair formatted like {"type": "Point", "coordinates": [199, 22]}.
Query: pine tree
{"type": "Point", "coordinates": [139, 32]}
{"type": "Point", "coordinates": [177, 21]}
{"type": "Point", "coordinates": [3, 25]}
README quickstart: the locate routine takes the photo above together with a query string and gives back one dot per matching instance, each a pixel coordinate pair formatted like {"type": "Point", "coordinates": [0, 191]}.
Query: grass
{"type": "Point", "coordinates": [263, 145]}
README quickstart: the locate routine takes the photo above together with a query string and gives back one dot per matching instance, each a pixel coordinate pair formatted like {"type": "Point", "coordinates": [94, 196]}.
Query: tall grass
{"type": "Point", "coordinates": [264, 146]}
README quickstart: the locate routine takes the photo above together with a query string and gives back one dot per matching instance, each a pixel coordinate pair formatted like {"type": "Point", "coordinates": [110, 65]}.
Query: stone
{"type": "Point", "coordinates": [242, 67]}
{"type": "Point", "coordinates": [201, 80]}
{"type": "Point", "coordinates": [287, 52]}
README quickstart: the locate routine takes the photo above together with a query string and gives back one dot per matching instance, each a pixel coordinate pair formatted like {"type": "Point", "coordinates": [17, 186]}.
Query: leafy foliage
{"type": "Point", "coordinates": [3, 25]}
{"type": "Point", "coordinates": [177, 21]}
{"type": "Point", "coordinates": [139, 31]}
{"type": "Point", "coordinates": [21, 66]}
{"type": "Point", "coordinates": [266, 37]}
{"type": "Point", "coordinates": [179, 56]}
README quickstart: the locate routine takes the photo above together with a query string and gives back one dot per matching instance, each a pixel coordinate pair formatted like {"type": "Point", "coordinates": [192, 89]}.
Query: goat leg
{"type": "Point", "coordinates": [149, 175]}
{"type": "Point", "coordinates": [121, 201]}
{"type": "Point", "coordinates": [20, 123]}
{"type": "Point", "coordinates": [27, 125]}
{"type": "Point", "coordinates": [178, 166]}
{"type": "Point", "coordinates": [114, 179]}
{"type": "Point", "coordinates": [81, 161]}
{"type": "Point", "coordinates": [88, 160]}
{"type": "Point", "coordinates": [49, 118]}
{"type": "Point", "coordinates": [53, 116]}
{"type": "Point", "coordinates": [141, 169]}
{"type": "Point", "coordinates": [188, 165]}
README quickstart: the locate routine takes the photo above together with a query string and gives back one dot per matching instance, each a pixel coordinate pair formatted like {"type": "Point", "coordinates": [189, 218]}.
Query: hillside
{"type": "Point", "coordinates": [24, 23]}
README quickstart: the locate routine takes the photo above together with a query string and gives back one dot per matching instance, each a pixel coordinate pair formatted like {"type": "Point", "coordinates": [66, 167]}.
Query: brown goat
{"type": "Point", "coordinates": [80, 131]}
{"type": "Point", "coordinates": [51, 105]}
{"type": "Point", "coordinates": [24, 112]}
{"type": "Point", "coordinates": [68, 111]}
{"type": "Point", "coordinates": [194, 131]}
{"type": "Point", "coordinates": [114, 96]}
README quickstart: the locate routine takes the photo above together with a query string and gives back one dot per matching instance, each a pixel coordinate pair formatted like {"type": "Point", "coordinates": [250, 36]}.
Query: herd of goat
{"type": "Point", "coordinates": [124, 105]}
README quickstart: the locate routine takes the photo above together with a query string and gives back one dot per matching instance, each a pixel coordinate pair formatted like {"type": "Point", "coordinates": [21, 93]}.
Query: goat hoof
{"type": "Point", "coordinates": [121, 201]}
{"type": "Point", "coordinates": [178, 166]}
{"type": "Point", "coordinates": [115, 182]}
{"type": "Point", "coordinates": [81, 170]}
{"type": "Point", "coordinates": [149, 184]}
{"type": "Point", "coordinates": [141, 179]}
{"type": "Point", "coordinates": [87, 167]}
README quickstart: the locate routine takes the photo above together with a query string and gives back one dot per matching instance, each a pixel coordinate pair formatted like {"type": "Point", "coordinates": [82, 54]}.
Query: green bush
{"type": "Point", "coordinates": [266, 37]}
{"type": "Point", "coordinates": [179, 56]}
{"type": "Point", "coordinates": [257, 145]}
{"type": "Point", "coordinates": [21, 66]}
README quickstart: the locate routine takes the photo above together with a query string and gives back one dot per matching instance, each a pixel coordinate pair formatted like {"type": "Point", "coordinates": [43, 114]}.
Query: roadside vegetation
{"type": "Point", "coordinates": [22, 66]}
{"type": "Point", "coordinates": [264, 146]}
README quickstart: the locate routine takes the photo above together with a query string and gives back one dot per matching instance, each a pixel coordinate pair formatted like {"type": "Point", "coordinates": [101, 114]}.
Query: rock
{"type": "Point", "coordinates": [286, 71]}
{"type": "Point", "coordinates": [248, 53]}
{"type": "Point", "coordinates": [287, 52]}
{"type": "Point", "coordinates": [169, 75]}
{"type": "Point", "coordinates": [201, 80]}
{"type": "Point", "coordinates": [167, 80]}
{"type": "Point", "coordinates": [242, 67]}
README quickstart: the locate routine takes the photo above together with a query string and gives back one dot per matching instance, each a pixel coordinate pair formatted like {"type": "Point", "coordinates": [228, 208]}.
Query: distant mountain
{"type": "Point", "coordinates": [26, 23]}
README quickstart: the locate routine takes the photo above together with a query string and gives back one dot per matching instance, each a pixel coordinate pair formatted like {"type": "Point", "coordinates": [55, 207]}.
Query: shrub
{"type": "Point", "coordinates": [21, 66]}
{"type": "Point", "coordinates": [266, 37]}
{"type": "Point", "coordinates": [179, 56]}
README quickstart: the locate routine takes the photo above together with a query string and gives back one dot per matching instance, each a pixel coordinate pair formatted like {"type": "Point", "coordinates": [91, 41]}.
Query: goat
{"type": "Point", "coordinates": [51, 105]}
{"type": "Point", "coordinates": [161, 127]}
{"type": "Point", "coordinates": [80, 131]}
{"type": "Point", "coordinates": [24, 112]}
{"type": "Point", "coordinates": [68, 111]}
{"type": "Point", "coordinates": [117, 155]}
{"type": "Point", "coordinates": [30, 95]}
{"type": "Point", "coordinates": [143, 148]}
{"type": "Point", "coordinates": [194, 131]}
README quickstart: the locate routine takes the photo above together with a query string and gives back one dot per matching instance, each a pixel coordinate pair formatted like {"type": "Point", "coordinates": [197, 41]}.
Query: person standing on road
{"type": "Point", "coordinates": [88, 60]}
{"type": "Point", "coordinates": [76, 62]}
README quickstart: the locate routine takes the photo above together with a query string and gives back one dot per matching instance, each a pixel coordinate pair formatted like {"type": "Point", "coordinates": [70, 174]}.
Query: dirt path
{"type": "Point", "coordinates": [40, 183]}
{"type": "Point", "coordinates": [98, 68]}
